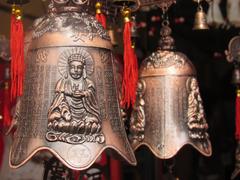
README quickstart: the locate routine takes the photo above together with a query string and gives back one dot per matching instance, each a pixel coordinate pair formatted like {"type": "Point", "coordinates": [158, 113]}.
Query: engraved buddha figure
{"type": "Point", "coordinates": [137, 121]}
{"type": "Point", "coordinates": [74, 108]}
{"type": "Point", "coordinates": [196, 118]}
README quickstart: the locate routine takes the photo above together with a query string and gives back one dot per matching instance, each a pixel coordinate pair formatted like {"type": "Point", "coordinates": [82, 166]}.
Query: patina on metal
{"type": "Point", "coordinates": [168, 113]}
{"type": "Point", "coordinates": [70, 103]}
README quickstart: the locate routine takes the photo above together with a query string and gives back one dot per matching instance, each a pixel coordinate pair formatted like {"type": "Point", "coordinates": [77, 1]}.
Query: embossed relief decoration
{"type": "Point", "coordinates": [77, 2]}
{"type": "Point", "coordinates": [163, 59]}
{"type": "Point", "coordinates": [138, 120]}
{"type": "Point", "coordinates": [197, 124]}
{"type": "Point", "coordinates": [74, 115]}
{"type": "Point", "coordinates": [82, 26]}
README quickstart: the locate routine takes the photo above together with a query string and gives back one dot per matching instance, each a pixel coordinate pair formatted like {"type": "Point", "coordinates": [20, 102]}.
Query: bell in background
{"type": "Point", "coordinates": [200, 21]}
{"type": "Point", "coordinates": [233, 12]}
{"type": "Point", "coordinates": [70, 103]}
{"type": "Point", "coordinates": [168, 112]}
{"type": "Point", "coordinates": [214, 14]}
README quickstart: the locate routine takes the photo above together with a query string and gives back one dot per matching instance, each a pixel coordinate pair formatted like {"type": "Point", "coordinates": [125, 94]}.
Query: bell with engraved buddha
{"type": "Point", "coordinates": [70, 101]}
{"type": "Point", "coordinates": [168, 112]}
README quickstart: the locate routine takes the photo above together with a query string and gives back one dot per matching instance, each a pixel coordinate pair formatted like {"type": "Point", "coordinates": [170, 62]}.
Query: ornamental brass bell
{"type": "Point", "coordinates": [168, 112]}
{"type": "Point", "coordinates": [200, 21]}
{"type": "Point", "coordinates": [70, 103]}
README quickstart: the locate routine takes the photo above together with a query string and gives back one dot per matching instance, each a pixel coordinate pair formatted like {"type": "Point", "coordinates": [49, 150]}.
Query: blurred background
{"type": "Point", "coordinates": [206, 51]}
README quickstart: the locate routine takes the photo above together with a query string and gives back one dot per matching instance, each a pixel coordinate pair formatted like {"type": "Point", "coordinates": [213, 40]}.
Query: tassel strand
{"type": "Point", "coordinates": [17, 54]}
{"type": "Point", "coordinates": [100, 16]}
{"type": "Point", "coordinates": [130, 75]}
{"type": "Point", "coordinates": [237, 118]}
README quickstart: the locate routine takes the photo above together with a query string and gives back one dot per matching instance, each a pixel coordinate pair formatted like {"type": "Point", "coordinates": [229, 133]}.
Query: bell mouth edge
{"type": "Point", "coordinates": [178, 149]}
{"type": "Point", "coordinates": [54, 153]}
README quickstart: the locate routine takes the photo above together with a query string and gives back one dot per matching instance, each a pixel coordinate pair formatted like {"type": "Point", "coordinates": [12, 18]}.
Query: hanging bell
{"type": "Point", "coordinates": [168, 112]}
{"type": "Point", "coordinates": [200, 21]}
{"type": "Point", "coordinates": [70, 102]}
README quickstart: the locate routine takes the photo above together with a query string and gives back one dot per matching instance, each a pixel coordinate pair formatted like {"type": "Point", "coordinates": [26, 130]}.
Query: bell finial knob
{"type": "Point", "coordinates": [166, 42]}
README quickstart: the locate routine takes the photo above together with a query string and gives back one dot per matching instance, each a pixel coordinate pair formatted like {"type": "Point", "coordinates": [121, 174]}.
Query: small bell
{"type": "Point", "coordinates": [200, 21]}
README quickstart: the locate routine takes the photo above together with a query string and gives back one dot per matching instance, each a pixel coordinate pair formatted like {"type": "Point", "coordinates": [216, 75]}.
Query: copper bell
{"type": "Point", "coordinates": [168, 112]}
{"type": "Point", "coordinates": [70, 103]}
{"type": "Point", "coordinates": [200, 21]}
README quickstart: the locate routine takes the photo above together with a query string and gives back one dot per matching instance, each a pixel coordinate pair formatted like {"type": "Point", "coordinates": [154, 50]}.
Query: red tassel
{"type": "Point", "coordinates": [238, 115]}
{"type": "Point", "coordinates": [1, 149]}
{"type": "Point", "coordinates": [6, 107]}
{"type": "Point", "coordinates": [76, 174]}
{"type": "Point", "coordinates": [102, 19]}
{"type": "Point", "coordinates": [100, 16]}
{"type": "Point", "coordinates": [103, 162]}
{"type": "Point", "coordinates": [116, 173]}
{"type": "Point", "coordinates": [130, 72]}
{"type": "Point", "coordinates": [17, 54]}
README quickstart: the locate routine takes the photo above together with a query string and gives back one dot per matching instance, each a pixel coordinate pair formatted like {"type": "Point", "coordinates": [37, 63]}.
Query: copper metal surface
{"type": "Point", "coordinates": [168, 113]}
{"type": "Point", "coordinates": [70, 103]}
{"type": "Point", "coordinates": [200, 21]}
